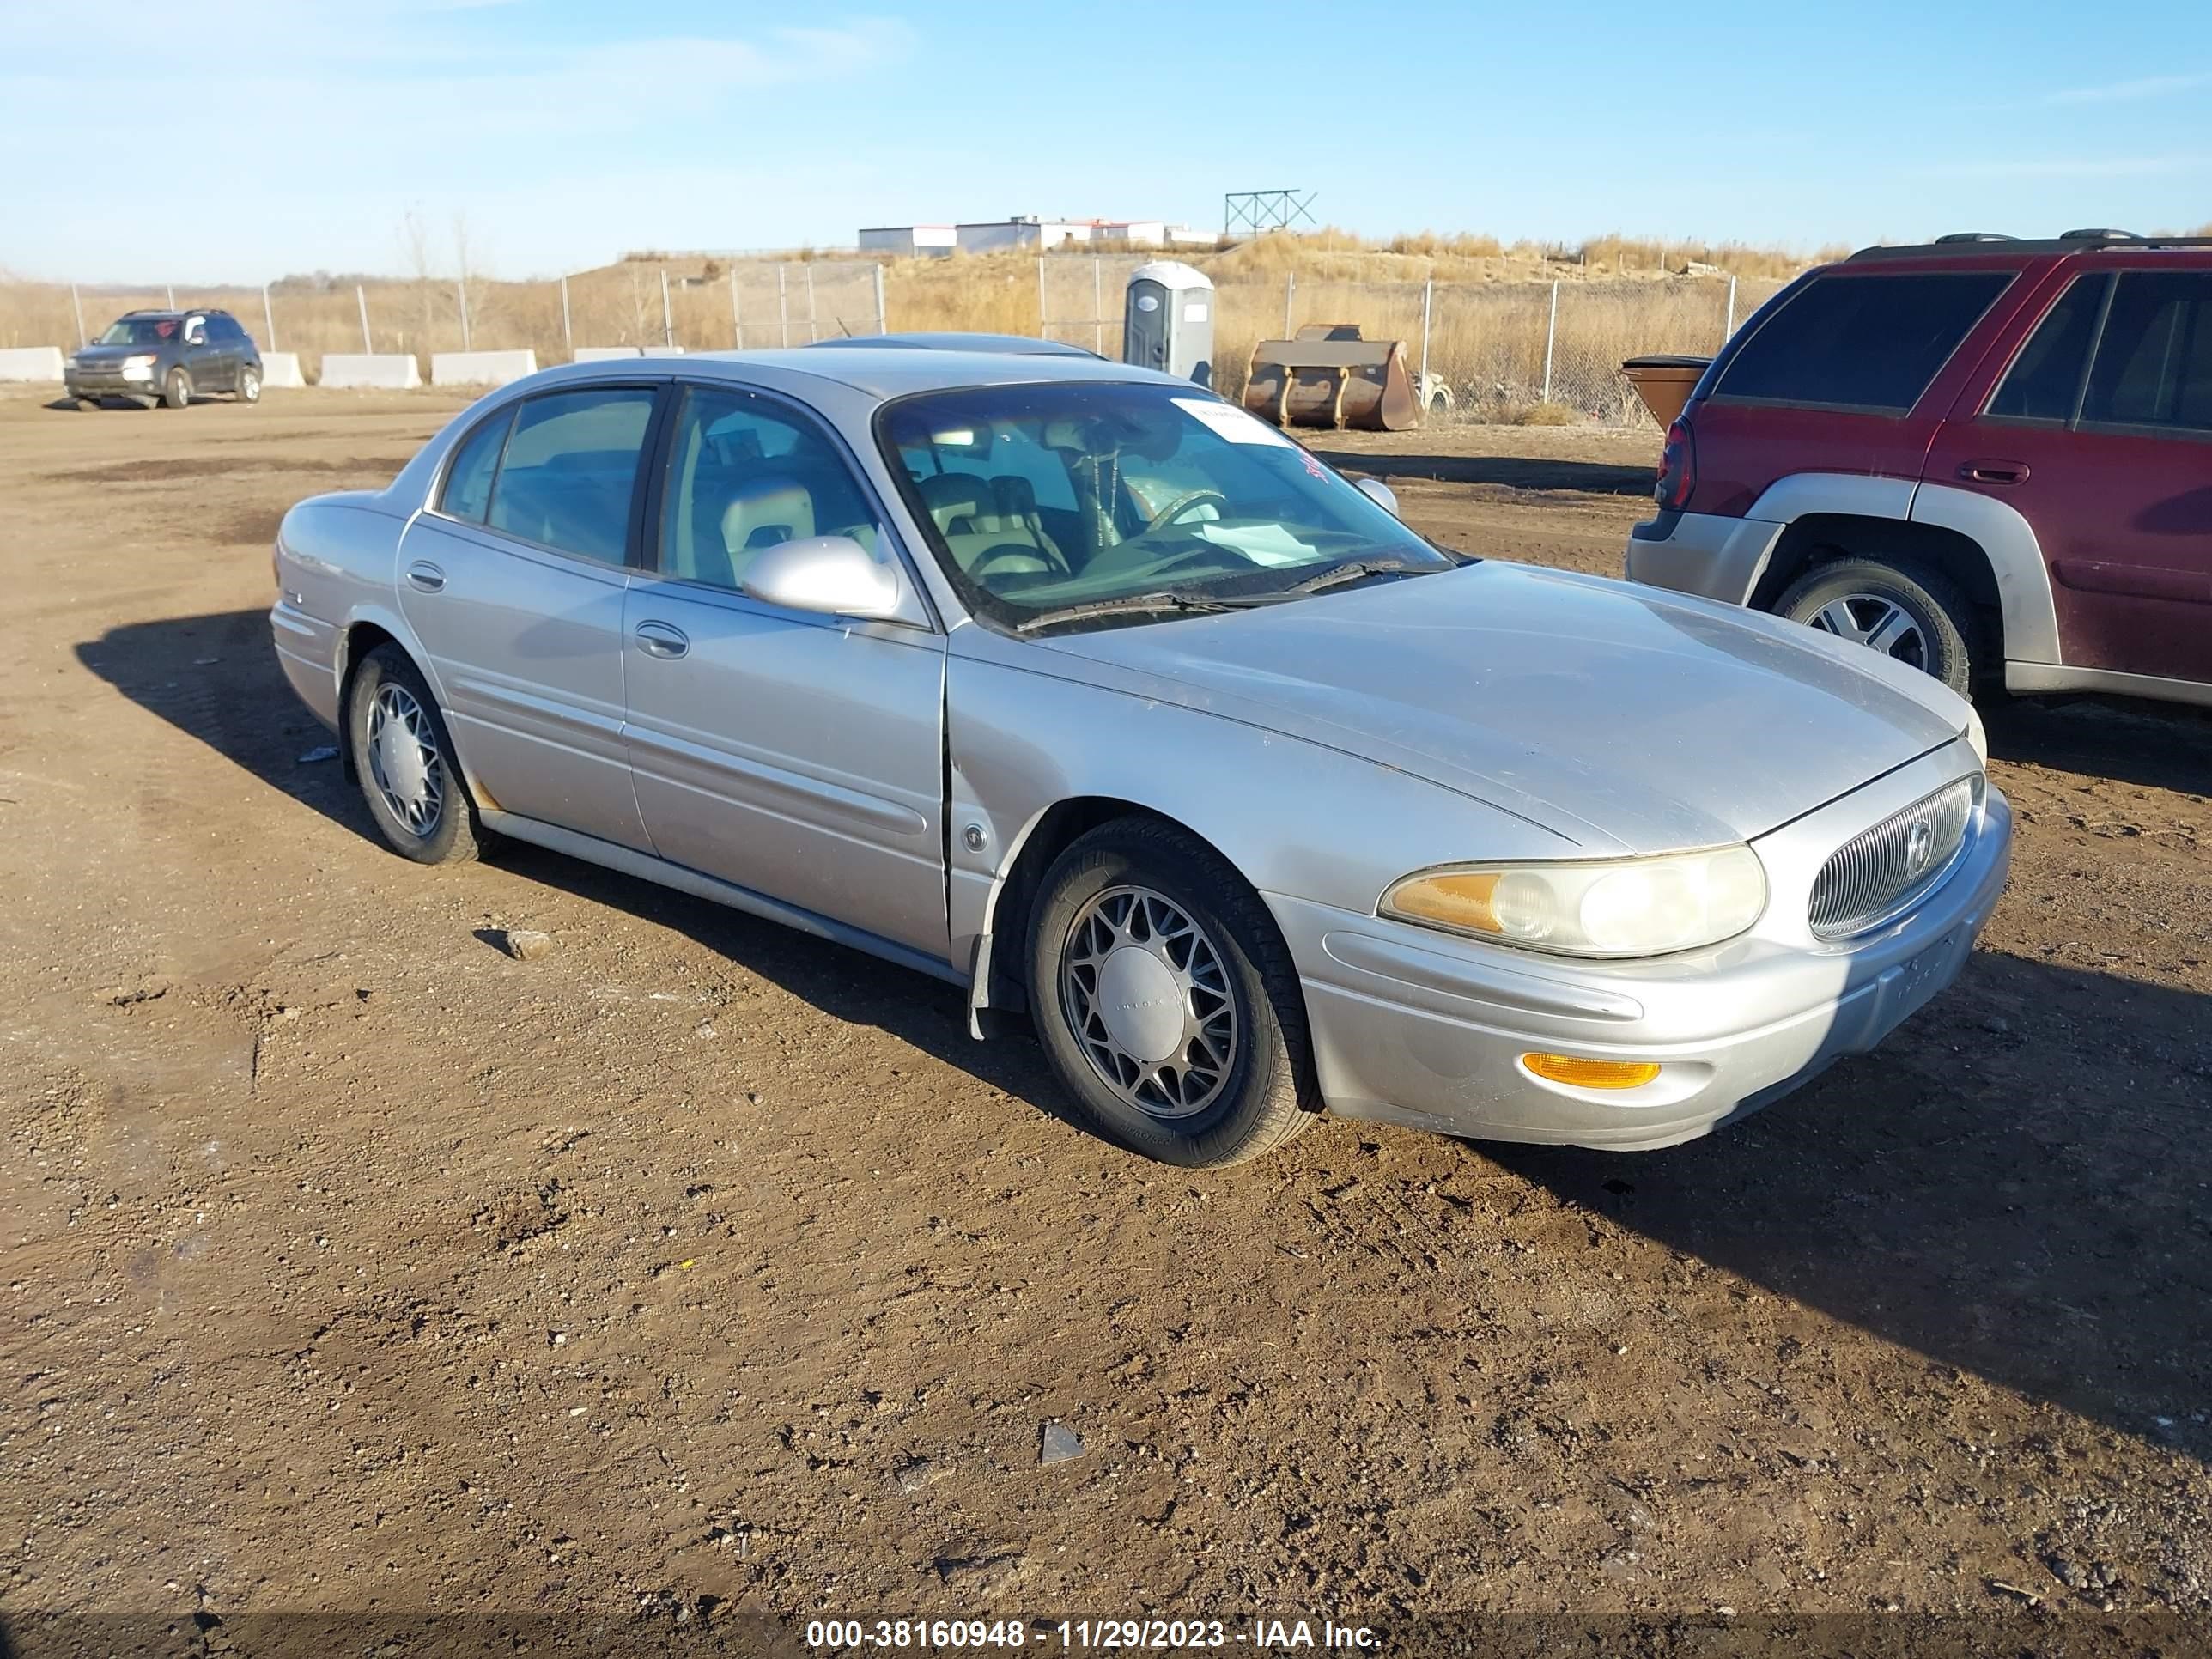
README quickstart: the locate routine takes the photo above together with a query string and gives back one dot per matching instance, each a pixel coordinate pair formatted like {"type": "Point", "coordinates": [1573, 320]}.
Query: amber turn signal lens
{"type": "Point", "coordinates": [1460, 899]}
{"type": "Point", "coordinates": [1592, 1073]}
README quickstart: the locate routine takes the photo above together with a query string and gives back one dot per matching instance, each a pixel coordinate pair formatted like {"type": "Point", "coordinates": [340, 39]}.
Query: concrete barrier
{"type": "Point", "coordinates": [31, 363]}
{"type": "Point", "coordinates": [605, 354]}
{"type": "Point", "coordinates": [385, 371]}
{"type": "Point", "coordinates": [282, 368]}
{"type": "Point", "coordinates": [660, 351]}
{"type": "Point", "coordinates": [480, 368]}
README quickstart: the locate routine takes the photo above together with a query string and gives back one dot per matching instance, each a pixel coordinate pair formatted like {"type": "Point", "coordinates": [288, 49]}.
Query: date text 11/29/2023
{"type": "Point", "coordinates": [1089, 1635]}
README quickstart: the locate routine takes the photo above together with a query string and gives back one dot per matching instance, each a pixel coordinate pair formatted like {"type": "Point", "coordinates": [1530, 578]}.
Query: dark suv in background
{"type": "Point", "coordinates": [1988, 458]}
{"type": "Point", "coordinates": [166, 357]}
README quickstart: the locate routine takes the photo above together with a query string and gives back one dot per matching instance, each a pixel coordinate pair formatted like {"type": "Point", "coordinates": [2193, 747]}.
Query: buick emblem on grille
{"type": "Point", "coordinates": [1919, 842]}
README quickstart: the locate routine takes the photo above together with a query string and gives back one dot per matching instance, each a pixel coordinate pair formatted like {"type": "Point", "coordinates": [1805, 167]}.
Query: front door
{"type": "Point", "coordinates": [799, 755]}
{"type": "Point", "coordinates": [514, 583]}
{"type": "Point", "coordinates": [2100, 434]}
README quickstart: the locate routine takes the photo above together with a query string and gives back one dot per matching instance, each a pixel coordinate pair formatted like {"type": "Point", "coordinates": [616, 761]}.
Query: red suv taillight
{"type": "Point", "coordinates": [1678, 467]}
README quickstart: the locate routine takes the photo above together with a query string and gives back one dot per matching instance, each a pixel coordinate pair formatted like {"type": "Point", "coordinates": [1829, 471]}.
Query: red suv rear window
{"type": "Point", "coordinates": [1860, 340]}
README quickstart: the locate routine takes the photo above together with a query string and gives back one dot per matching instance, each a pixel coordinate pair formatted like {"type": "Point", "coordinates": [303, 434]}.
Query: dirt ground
{"type": "Point", "coordinates": [700, 1269]}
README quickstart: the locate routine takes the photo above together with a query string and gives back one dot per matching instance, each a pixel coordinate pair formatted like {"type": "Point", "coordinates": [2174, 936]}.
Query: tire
{"type": "Point", "coordinates": [177, 389]}
{"type": "Point", "coordinates": [1225, 990]}
{"type": "Point", "coordinates": [249, 385]}
{"type": "Point", "coordinates": [424, 810]}
{"type": "Point", "coordinates": [1927, 622]}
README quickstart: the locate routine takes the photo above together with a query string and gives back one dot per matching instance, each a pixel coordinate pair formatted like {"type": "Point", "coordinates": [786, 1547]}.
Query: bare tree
{"type": "Point", "coordinates": [465, 268]}
{"type": "Point", "coordinates": [415, 243]}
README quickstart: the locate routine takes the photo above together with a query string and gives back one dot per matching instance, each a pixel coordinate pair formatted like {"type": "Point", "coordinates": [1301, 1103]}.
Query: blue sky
{"type": "Point", "coordinates": [276, 136]}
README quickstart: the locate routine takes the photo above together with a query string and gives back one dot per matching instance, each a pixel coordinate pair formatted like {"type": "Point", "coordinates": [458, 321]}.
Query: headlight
{"type": "Point", "coordinates": [139, 367]}
{"type": "Point", "coordinates": [1612, 908]}
{"type": "Point", "coordinates": [1976, 738]}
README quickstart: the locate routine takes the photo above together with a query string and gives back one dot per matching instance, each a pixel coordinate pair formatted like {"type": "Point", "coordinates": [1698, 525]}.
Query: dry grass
{"type": "Point", "coordinates": [1486, 336]}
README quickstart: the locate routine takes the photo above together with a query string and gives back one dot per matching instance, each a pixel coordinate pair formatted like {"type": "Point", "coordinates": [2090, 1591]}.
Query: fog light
{"type": "Point", "coordinates": [1592, 1073]}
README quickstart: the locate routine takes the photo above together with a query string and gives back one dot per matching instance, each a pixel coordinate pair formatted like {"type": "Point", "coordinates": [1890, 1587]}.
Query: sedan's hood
{"type": "Point", "coordinates": [1611, 713]}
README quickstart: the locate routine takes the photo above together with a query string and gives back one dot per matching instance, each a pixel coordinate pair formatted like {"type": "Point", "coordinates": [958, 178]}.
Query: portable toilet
{"type": "Point", "coordinates": [1167, 320]}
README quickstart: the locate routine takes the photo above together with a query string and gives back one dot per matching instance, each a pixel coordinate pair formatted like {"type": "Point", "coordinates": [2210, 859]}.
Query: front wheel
{"type": "Point", "coordinates": [249, 385]}
{"type": "Point", "coordinates": [404, 757]}
{"type": "Point", "coordinates": [1166, 999]}
{"type": "Point", "coordinates": [177, 389]}
{"type": "Point", "coordinates": [1909, 612]}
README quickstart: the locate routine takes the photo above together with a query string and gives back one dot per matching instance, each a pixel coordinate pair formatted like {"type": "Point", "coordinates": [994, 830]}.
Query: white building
{"type": "Point", "coordinates": [1029, 232]}
{"type": "Point", "coordinates": [904, 240]}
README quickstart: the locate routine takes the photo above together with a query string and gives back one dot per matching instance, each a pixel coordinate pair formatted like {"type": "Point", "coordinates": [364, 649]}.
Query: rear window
{"type": "Point", "coordinates": [1860, 342]}
{"type": "Point", "coordinates": [2045, 379]}
{"type": "Point", "coordinates": [2153, 365]}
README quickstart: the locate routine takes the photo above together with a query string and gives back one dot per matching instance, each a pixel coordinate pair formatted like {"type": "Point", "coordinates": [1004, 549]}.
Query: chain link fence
{"type": "Point", "coordinates": [1544, 350]}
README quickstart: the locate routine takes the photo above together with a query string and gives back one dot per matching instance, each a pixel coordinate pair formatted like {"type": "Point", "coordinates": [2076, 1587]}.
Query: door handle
{"type": "Point", "coordinates": [1994, 472]}
{"type": "Point", "coordinates": [427, 577]}
{"type": "Point", "coordinates": [663, 640]}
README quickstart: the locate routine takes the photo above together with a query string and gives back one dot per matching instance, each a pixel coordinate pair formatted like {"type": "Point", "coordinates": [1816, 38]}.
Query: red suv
{"type": "Point", "coordinates": [1988, 458]}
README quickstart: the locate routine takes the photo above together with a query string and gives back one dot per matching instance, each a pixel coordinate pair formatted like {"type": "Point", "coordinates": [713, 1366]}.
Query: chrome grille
{"type": "Point", "coordinates": [1877, 873]}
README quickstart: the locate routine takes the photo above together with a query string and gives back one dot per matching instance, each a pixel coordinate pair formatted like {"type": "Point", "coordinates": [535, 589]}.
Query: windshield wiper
{"type": "Point", "coordinates": [1357, 570]}
{"type": "Point", "coordinates": [1165, 599]}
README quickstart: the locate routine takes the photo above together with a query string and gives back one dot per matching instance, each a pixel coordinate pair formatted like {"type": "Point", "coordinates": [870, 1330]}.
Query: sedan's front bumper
{"type": "Point", "coordinates": [1419, 1028]}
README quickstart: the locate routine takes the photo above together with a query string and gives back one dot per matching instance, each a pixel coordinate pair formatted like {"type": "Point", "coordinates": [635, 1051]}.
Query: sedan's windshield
{"type": "Point", "coordinates": [140, 331]}
{"type": "Point", "coordinates": [1063, 501]}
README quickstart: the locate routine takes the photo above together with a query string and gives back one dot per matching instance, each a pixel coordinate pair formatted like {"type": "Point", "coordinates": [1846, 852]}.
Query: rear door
{"type": "Point", "coordinates": [514, 581]}
{"type": "Point", "coordinates": [797, 755]}
{"type": "Point", "coordinates": [1851, 373]}
{"type": "Point", "coordinates": [2098, 432]}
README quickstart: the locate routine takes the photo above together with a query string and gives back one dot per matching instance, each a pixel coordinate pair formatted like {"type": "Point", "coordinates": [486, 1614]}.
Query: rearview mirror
{"type": "Point", "coordinates": [830, 575]}
{"type": "Point", "coordinates": [1381, 494]}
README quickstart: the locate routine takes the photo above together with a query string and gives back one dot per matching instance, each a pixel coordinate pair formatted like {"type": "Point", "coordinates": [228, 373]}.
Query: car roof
{"type": "Point", "coordinates": [181, 311]}
{"type": "Point", "coordinates": [1970, 243]}
{"type": "Point", "coordinates": [953, 340]}
{"type": "Point", "coordinates": [888, 372]}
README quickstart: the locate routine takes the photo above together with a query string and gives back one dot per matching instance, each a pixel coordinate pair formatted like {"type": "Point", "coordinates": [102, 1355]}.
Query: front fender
{"type": "Point", "coordinates": [1293, 816]}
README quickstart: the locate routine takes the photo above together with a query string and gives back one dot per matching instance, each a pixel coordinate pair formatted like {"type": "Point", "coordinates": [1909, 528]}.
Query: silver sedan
{"type": "Point", "coordinates": [1082, 689]}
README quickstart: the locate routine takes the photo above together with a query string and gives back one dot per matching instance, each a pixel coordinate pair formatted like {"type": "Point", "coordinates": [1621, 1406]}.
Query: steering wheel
{"type": "Point", "coordinates": [1182, 504]}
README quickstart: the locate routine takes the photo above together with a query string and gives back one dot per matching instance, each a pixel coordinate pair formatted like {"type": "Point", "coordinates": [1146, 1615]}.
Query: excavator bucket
{"type": "Point", "coordinates": [1329, 376]}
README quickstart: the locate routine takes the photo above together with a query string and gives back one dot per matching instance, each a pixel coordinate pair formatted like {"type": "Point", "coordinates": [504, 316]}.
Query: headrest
{"type": "Point", "coordinates": [953, 496]}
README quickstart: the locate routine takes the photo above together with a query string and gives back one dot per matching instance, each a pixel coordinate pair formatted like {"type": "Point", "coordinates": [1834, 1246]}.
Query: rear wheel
{"type": "Point", "coordinates": [1166, 999]}
{"type": "Point", "coordinates": [249, 385]}
{"type": "Point", "coordinates": [1909, 612]}
{"type": "Point", "coordinates": [177, 389]}
{"type": "Point", "coordinates": [403, 757]}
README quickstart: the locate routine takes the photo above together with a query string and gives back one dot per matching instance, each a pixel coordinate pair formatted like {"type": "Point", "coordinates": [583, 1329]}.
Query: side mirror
{"type": "Point", "coordinates": [1381, 494]}
{"type": "Point", "coordinates": [830, 575]}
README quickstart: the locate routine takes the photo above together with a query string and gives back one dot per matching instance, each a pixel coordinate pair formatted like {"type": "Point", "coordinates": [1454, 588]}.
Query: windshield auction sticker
{"type": "Point", "coordinates": [1224, 421]}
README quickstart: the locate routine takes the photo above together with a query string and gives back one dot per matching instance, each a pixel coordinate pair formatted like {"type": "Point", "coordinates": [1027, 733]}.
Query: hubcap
{"type": "Point", "coordinates": [1147, 993]}
{"type": "Point", "coordinates": [404, 761]}
{"type": "Point", "coordinates": [1878, 623]}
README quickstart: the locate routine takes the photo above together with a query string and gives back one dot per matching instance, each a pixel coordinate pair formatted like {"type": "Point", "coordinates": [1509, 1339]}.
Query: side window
{"type": "Point", "coordinates": [745, 474]}
{"type": "Point", "coordinates": [570, 467]}
{"type": "Point", "coordinates": [1870, 341]}
{"type": "Point", "coordinates": [467, 493]}
{"type": "Point", "coordinates": [223, 328]}
{"type": "Point", "coordinates": [2044, 380]}
{"type": "Point", "coordinates": [2154, 363]}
